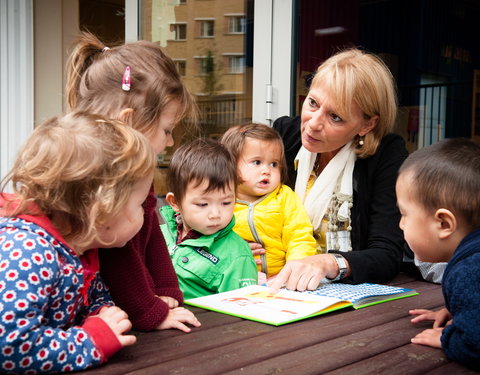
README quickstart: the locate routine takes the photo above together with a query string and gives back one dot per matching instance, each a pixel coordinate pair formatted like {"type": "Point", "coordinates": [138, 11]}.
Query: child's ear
{"type": "Point", "coordinates": [126, 115]}
{"type": "Point", "coordinates": [172, 201]}
{"type": "Point", "coordinates": [447, 223]}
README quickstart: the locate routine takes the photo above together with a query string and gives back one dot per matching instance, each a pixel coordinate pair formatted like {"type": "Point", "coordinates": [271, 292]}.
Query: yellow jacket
{"type": "Point", "coordinates": [280, 222]}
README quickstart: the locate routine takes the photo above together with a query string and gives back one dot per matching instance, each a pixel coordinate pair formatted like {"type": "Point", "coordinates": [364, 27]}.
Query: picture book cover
{"type": "Point", "coordinates": [255, 302]}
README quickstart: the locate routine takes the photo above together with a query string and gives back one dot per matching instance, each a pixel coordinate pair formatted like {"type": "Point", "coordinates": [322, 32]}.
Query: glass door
{"type": "Point", "coordinates": [429, 46]}
{"type": "Point", "coordinates": [211, 43]}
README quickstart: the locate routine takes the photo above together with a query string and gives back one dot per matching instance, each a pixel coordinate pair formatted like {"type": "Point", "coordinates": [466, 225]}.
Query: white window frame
{"type": "Point", "coordinates": [272, 57]}
{"type": "Point", "coordinates": [203, 27]}
{"type": "Point", "coordinates": [200, 61]}
{"type": "Point", "coordinates": [132, 20]}
{"type": "Point", "coordinates": [16, 76]}
{"type": "Point", "coordinates": [176, 2]}
{"type": "Point", "coordinates": [234, 21]}
{"type": "Point", "coordinates": [177, 64]}
{"type": "Point", "coordinates": [235, 63]}
{"type": "Point", "coordinates": [176, 30]}
{"type": "Point", "coordinates": [272, 60]}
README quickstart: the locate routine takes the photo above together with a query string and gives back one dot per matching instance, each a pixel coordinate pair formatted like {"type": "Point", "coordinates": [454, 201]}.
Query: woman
{"type": "Point", "coordinates": [344, 162]}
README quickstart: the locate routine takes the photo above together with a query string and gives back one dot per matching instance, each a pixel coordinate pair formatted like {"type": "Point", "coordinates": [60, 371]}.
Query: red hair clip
{"type": "Point", "coordinates": [126, 79]}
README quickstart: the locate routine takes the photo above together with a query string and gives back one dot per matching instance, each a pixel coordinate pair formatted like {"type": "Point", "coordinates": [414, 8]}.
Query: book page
{"type": "Point", "coordinates": [257, 303]}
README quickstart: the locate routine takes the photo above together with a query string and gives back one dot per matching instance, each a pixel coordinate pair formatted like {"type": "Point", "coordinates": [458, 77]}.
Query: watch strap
{"type": "Point", "coordinates": [342, 266]}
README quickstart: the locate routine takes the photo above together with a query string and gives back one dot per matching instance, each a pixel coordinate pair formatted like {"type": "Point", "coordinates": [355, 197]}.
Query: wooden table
{"type": "Point", "coordinates": [373, 340]}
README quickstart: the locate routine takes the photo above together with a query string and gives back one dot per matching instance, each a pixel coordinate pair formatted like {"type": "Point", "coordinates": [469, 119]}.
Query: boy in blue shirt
{"type": "Point", "coordinates": [438, 197]}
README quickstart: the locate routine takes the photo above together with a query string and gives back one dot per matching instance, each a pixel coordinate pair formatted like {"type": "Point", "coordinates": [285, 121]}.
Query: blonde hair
{"type": "Point", "coordinates": [362, 78]}
{"type": "Point", "coordinates": [234, 140]}
{"type": "Point", "coordinates": [80, 170]}
{"type": "Point", "coordinates": [94, 82]}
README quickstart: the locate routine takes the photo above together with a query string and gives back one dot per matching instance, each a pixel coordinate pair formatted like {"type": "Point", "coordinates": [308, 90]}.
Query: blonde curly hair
{"type": "Point", "coordinates": [79, 170]}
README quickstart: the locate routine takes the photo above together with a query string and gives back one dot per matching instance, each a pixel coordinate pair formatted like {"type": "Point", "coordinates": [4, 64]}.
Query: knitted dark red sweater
{"type": "Point", "coordinates": [140, 270]}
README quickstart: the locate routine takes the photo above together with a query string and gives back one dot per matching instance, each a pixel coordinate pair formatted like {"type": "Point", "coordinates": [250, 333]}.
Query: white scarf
{"type": "Point", "coordinates": [335, 179]}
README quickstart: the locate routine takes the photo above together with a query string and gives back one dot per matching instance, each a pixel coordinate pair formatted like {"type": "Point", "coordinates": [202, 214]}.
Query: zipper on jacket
{"type": "Point", "coordinates": [251, 224]}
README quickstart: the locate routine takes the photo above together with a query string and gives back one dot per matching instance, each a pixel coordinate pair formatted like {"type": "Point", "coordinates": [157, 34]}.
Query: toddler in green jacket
{"type": "Point", "coordinates": [207, 255]}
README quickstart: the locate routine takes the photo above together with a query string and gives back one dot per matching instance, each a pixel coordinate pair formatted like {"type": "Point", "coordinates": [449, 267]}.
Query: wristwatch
{"type": "Point", "coordinates": [342, 266]}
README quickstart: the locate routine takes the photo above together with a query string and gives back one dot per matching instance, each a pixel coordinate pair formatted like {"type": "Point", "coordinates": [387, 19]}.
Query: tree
{"type": "Point", "coordinates": [212, 76]}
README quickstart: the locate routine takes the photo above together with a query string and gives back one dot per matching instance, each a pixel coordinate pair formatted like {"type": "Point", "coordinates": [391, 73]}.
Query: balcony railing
{"type": "Point", "coordinates": [429, 110]}
{"type": "Point", "coordinates": [217, 114]}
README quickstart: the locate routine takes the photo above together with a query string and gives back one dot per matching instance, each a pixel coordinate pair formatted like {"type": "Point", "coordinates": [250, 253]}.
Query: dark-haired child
{"type": "Point", "coordinates": [207, 255]}
{"type": "Point", "coordinates": [438, 196]}
{"type": "Point", "coordinates": [267, 211]}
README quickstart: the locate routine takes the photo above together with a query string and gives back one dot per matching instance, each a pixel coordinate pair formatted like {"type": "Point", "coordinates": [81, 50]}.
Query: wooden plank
{"type": "Point", "coordinates": [420, 286]}
{"type": "Point", "coordinates": [342, 351]}
{"type": "Point", "coordinates": [402, 278]}
{"type": "Point", "coordinates": [155, 347]}
{"type": "Point", "coordinates": [249, 342]}
{"type": "Point", "coordinates": [292, 337]}
{"type": "Point", "coordinates": [405, 360]}
{"type": "Point", "coordinates": [209, 319]}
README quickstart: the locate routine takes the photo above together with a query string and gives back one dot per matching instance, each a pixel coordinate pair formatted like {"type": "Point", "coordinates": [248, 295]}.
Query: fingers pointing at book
{"type": "Point", "coordinates": [305, 275]}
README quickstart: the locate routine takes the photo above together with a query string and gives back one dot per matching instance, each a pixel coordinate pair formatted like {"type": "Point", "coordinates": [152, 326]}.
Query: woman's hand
{"type": "Point", "coordinates": [440, 318]}
{"type": "Point", "coordinates": [177, 317]}
{"type": "Point", "coordinates": [305, 273]}
{"type": "Point", "coordinates": [118, 321]}
{"type": "Point", "coordinates": [257, 249]}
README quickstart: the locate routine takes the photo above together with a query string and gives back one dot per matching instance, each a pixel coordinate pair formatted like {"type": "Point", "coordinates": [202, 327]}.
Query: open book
{"type": "Point", "coordinates": [255, 302]}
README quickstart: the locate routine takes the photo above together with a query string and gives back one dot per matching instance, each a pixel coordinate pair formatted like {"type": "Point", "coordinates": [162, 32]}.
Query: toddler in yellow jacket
{"type": "Point", "coordinates": [267, 211]}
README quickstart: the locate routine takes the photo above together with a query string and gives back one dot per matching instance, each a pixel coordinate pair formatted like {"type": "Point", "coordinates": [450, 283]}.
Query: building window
{"type": "Point", "coordinates": [203, 65]}
{"type": "Point", "coordinates": [235, 64]}
{"type": "Point", "coordinates": [206, 28]}
{"type": "Point", "coordinates": [236, 24]}
{"type": "Point", "coordinates": [179, 31]}
{"type": "Point", "coordinates": [181, 66]}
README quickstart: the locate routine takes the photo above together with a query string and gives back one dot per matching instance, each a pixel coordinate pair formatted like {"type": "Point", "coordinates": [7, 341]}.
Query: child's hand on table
{"type": "Point", "coordinates": [177, 317]}
{"type": "Point", "coordinates": [440, 318]}
{"type": "Point", "coordinates": [429, 337]}
{"type": "Point", "coordinates": [118, 321]}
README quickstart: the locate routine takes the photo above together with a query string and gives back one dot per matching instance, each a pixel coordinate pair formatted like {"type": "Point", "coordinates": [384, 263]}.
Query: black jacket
{"type": "Point", "coordinates": [377, 240]}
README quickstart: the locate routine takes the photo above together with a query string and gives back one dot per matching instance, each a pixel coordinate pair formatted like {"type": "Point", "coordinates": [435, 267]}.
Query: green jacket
{"type": "Point", "coordinates": [210, 264]}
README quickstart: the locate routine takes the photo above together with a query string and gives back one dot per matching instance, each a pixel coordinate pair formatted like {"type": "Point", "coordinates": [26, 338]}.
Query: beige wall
{"type": "Point", "coordinates": [55, 26]}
